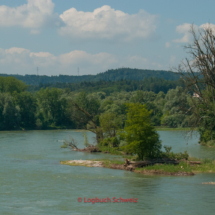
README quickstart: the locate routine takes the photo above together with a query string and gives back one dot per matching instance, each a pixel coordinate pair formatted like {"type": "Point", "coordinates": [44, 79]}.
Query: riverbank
{"type": "Point", "coordinates": [182, 169]}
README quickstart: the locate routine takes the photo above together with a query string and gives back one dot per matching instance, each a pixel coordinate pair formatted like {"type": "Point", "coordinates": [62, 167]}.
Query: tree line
{"type": "Point", "coordinates": [148, 84]}
{"type": "Point", "coordinates": [110, 75]}
{"type": "Point", "coordinates": [54, 107]}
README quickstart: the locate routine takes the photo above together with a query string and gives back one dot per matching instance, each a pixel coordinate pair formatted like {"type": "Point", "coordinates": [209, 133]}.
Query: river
{"type": "Point", "coordinates": [32, 181]}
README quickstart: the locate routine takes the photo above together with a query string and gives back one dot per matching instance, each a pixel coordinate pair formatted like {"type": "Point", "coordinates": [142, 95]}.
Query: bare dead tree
{"type": "Point", "coordinates": [198, 74]}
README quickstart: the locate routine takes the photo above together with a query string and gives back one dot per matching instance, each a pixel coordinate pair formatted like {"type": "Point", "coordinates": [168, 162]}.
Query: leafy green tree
{"type": "Point", "coordinates": [175, 108]}
{"type": "Point", "coordinates": [27, 109]}
{"type": "Point", "coordinates": [11, 84]}
{"type": "Point", "coordinates": [52, 107]}
{"type": "Point", "coordinates": [110, 123]}
{"type": "Point", "coordinates": [141, 137]}
{"type": "Point", "coordinates": [91, 105]}
{"type": "Point", "coordinates": [9, 113]}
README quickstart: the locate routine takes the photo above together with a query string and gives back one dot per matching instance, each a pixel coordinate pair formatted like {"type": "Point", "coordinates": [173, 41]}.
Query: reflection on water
{"type": "Point", "coordinates": [33, 181]}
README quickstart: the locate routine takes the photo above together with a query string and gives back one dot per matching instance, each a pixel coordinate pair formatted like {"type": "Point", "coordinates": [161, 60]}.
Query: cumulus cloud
{"type": "Point", "coordinates": [107, 23]}
{"type": "Point", "coordinates": [185, 29]}
{"type": "Point", "coordinates": [23, 61]}
{"type": "Point", "coordinates": [34, 15]}
{"type": "Point", "coordinates": [208, 25]}
{"type": "Point", "coordinates": [103, 23]}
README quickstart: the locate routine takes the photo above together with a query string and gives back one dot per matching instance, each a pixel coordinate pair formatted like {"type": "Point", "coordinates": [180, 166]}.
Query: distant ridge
{"type": "Point", "coordinates": [110, 75]}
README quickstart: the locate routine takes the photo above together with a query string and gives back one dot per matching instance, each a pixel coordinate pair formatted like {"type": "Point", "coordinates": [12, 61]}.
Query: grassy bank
{"type": "Point", "coordinates": [167, 169]}
{"type": "Point", "coordinates": [184, 168]}
{"type": "Point", "coordinates": [206, 166]}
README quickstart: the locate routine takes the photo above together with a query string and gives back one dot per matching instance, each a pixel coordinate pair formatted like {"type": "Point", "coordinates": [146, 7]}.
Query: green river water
{"type": "Point", "coordinates": [32, 181]}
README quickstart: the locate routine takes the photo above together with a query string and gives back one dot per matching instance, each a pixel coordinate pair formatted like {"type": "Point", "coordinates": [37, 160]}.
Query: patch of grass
{"type": "Point", "coordinates": [194, 159]}
{"type": "Point", "coordinates": [168, 168]}
{"type": "Point", "coordinates": [64, 162]}
{"type": "Point", "coordinates": [207, 166]}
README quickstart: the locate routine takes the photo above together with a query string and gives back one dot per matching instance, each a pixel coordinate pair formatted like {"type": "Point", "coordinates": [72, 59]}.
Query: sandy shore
{"type": "Point", "coordinates": [83, 163]}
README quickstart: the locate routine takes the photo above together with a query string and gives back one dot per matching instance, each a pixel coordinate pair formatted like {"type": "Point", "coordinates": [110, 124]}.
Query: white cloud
{"type": "Point", "coordinates": [107, 23]}
{"type": "Point", "coordinates": [102, 23]}
{"type": "Point", "coordinates": [23, 61]}
{"type": "Point", "coordinates": [183, 29]}
{"type": "Point", "coordinates": [34, 15]}
{"type": "Point", "coordinates": [167, 44]}
{"type": "Point", "coordinates": [208, 25]}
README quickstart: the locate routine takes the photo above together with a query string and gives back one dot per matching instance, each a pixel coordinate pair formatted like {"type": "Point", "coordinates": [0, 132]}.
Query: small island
{"type": "Point", "coordinates": [152, 167]}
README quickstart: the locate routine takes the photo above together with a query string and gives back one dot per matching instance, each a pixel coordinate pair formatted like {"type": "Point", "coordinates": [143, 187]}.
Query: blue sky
{"type": "Point", "coordinates": [58, 36]}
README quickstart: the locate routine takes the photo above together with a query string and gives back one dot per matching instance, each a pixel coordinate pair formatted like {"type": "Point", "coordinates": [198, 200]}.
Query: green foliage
{"type": "Point", "coordinates": [111, 150]}
{"type": "Point", "coordinates": [172, 155]}
{"type": "Point", "coordinates": [206, 135]}
{"type": "Point", "coordinates": [126, 74]}
{"type": "Point", "coordinates": [9, 113]}
{"type": "Point", "coordinates": [174, 108]}
{"type": "Point", "coordinates": [27, 109]}
{"type": "Point", "coordinates": [65, 145]}
{"type": "Point", "coordinates": [86, 143]}
{"type": "Point", "coordinates": [108, 87]}
{"type": "Point", "coordinates": [168, 168]}
{"type": "Point", "coordinates": [110, 142]}
{"type": "Point", "coordinates": [110, 123]}
{"type": "Point", "coordinates": [11, 85]}
{"type": "Point", "coordinates": [139, 133]}
{"type": "Point", "coordinates": [207, 161]}
{"type": "Point", "coordinates": [52, 107]}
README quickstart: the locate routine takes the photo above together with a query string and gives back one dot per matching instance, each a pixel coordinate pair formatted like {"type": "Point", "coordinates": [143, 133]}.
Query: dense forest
{"type": "Point", "coordinates": [148, 84]}
{"type": "Point", "coordinates": [53, 107]}
{"type": "Point", "coordinates": [110, 75]}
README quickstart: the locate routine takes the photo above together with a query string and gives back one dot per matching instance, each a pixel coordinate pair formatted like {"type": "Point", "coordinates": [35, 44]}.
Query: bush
{"type": "Point", "coordinates": [172, 155]}
{"type": "Point", "coordinates": [65, 145]}
{"type": "Point", "coordinates": [122, 143]}
{"type": "Point", "coordinates": [110, 142]}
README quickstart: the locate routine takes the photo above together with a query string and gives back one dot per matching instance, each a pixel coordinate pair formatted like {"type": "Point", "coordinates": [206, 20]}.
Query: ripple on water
{"type": "Point", "coordinates": [33, 181]}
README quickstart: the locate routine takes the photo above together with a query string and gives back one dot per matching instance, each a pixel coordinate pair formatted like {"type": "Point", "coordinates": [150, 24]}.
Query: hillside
{"type": "Point", "coordinates": [110, 75]}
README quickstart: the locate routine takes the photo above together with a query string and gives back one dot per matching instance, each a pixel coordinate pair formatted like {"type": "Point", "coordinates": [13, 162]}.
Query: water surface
{"type": "Point", "coordinates": [32, 181]}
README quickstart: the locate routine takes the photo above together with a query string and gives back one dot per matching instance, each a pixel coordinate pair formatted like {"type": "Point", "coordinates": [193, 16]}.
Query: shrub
{"type": "Point", "coordinates": [110, 142]}
{"type": "Point", "coordinates": [65, 145]}
{"type": "Point", "coordinates": [172, 155]}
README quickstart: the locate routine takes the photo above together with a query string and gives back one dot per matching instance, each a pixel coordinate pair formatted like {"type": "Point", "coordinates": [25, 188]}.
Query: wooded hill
{"type": "Point", "coordinates": [110, 75]}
